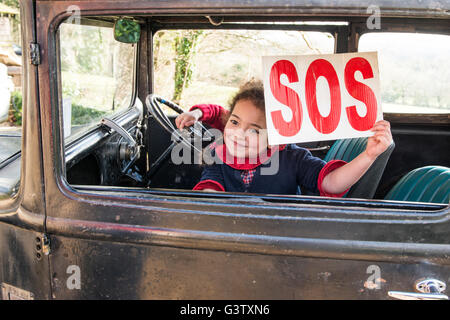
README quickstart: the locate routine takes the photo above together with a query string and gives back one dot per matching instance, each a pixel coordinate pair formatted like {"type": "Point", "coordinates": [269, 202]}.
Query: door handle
{"type": "Point", "coordinates": [428, 289]}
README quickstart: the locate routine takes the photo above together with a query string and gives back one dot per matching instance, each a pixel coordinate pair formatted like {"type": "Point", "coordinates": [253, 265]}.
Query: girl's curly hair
{"type": "Point", "coordinates": [253, 91]}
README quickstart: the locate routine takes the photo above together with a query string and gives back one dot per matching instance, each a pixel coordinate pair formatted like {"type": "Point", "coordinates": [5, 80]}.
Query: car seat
{"type": "Point", "coordinates": [425, 184]}
{"type": "Point", "coordinates": [347, 150]}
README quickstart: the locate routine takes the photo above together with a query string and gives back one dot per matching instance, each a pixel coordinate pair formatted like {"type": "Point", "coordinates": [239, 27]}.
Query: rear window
{"type": "Point", "coordinates": [217, 62]}
{"type": "Point", "coordinates": [414, 71]}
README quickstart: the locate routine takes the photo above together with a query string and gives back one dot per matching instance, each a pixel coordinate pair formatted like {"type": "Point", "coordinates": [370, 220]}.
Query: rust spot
{"type": "Point", "coordinates": [324, 275]}
{"type": "Point", "coordinates": [374, 284]}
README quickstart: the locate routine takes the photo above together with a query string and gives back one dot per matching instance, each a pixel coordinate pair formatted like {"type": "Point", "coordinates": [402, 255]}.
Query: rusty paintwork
{"type": "Point", "coordinates": [159, 244]}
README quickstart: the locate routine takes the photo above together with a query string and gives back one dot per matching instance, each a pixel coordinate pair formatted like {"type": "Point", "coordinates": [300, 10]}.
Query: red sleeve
{"type": "Point", "coordinates": [209, 184]}
{"type": "Point", "coordinates": [213, 115]}
{"type": "Point", "coordinates": [330, 166]}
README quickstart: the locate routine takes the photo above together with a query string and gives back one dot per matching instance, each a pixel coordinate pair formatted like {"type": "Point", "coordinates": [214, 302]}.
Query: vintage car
{"type": "Point", "coordinates": [92, 206]}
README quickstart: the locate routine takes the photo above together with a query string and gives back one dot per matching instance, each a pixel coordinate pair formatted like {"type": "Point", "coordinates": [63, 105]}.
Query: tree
{"type": "Point", "coordinates": [184, 45]}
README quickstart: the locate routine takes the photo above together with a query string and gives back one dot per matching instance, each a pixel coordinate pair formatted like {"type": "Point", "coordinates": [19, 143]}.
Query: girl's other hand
{"type": "Point", "coordinates": [187, 119]}
{"type": "Point", "coordinates": [381, 139]}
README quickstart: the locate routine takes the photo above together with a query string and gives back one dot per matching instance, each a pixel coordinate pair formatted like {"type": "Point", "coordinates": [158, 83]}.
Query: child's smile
{"type": "Point", "coordinates": [245, 133]}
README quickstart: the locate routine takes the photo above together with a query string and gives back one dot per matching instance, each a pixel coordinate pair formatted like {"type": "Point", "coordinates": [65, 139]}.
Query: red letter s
{"type": "Point", "coordinates": [286, 96]}
{"type": "Point", "coordinates": [360, 92]}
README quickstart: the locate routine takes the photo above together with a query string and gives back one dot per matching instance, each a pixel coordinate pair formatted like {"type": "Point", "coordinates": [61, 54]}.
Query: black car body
{"type": "Point", "coordinates": [77, 228]}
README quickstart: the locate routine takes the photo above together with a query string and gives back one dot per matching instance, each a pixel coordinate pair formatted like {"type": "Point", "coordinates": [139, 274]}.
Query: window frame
{"type": "Point", "coordinates": [99, 193]}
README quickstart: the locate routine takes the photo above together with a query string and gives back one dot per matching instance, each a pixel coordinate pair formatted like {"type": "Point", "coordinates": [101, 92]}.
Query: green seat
{"type": "Point", "coordinates": [347, 150]}
{"type": "Point", "coordinates": [426, 184]}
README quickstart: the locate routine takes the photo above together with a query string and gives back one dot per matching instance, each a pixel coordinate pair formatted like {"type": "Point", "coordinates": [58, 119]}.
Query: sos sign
{"type": "Point", "coordinates": [321, 97]}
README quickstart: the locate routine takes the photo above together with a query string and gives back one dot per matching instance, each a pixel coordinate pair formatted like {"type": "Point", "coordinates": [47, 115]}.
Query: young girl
{"type": "Point", "coordinates": [245, 152]}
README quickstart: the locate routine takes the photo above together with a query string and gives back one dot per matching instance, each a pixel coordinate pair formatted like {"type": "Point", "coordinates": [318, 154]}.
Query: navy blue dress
{"type": "Point", "coordinates": [297, 173]}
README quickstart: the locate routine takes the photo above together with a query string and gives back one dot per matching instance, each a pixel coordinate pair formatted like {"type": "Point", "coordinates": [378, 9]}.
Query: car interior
{"type": "Point", "coordinates": [127, 148]}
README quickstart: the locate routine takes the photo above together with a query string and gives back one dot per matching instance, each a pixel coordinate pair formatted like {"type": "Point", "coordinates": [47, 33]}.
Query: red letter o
{"type": "Point", "coordinates": [319, 68]}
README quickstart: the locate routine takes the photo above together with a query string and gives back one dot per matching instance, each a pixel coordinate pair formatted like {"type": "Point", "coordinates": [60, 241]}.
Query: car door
{"type": "Point", "coordinates": [418, 109]}
{"type": "Point", "coordinates": [24, 260]}
{"type": "Point", "coordinates": [116, 242]}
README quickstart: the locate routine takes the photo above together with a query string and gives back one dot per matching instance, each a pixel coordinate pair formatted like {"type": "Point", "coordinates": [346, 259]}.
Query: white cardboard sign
{"type": "Point", "coordinates": [321, 97]}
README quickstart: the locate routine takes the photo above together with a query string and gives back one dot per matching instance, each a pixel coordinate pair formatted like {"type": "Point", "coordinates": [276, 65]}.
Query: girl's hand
{"type": "Point", "coordinates": [380, 141]}
{"type": "Point", "coordinates": [344, 177]}
{"type": "Point", "coordinates": [187, 119]}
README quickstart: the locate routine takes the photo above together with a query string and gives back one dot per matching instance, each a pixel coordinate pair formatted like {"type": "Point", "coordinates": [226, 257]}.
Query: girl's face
{"type": "Point", "coordinates": [245, 133]}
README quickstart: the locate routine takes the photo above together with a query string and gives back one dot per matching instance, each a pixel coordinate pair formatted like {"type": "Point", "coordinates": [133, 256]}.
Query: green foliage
{"type": "Point", "coordinates": [11, 3]}
{"type": "Point", "coordinates": [83, 115]}
{"type": "Point", "coordinates": [87, 51]}
{"type": "Point", "coordinates": [89, 55]}
{"type": "Point", "coordinates": [15, 110]}
{"type": "Point", "coordinates": [184, 45]}
{"type": "Point", "coordinates": [127, 31]}
{"type": "Point", "coordinates": [80, 114]}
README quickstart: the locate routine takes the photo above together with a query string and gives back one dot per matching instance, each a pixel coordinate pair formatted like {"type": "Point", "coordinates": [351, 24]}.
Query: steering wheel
{"type": "Point", "coordinates": [188, 136]}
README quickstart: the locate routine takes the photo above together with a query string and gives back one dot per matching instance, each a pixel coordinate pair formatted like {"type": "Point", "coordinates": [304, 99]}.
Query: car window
{"type": "Point", "coordinates": [207, 66]}
{"type": "Point", "coordinates": [414, 70]}
{"type": "Point", "coordinates": [189, 67]}
{"type": "Point", "coordinates": [10, 102]}
{"type": "Point", "coordinates": [10, 143]}
{"type": "Point", "coordinates": [96, 75]}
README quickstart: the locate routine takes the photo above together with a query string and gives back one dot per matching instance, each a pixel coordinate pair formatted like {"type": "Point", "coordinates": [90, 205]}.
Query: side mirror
{"type": "Point", "coordinates": [127, 31]}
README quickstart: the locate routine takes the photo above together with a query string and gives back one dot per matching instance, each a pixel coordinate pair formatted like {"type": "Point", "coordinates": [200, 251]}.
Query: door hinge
{"type": "Point", "coordinates": [35, 54]}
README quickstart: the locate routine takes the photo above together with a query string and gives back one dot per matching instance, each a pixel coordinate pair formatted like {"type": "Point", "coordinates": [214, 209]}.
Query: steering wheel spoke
{"type": "Point", "coordinates": [188, 136]}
